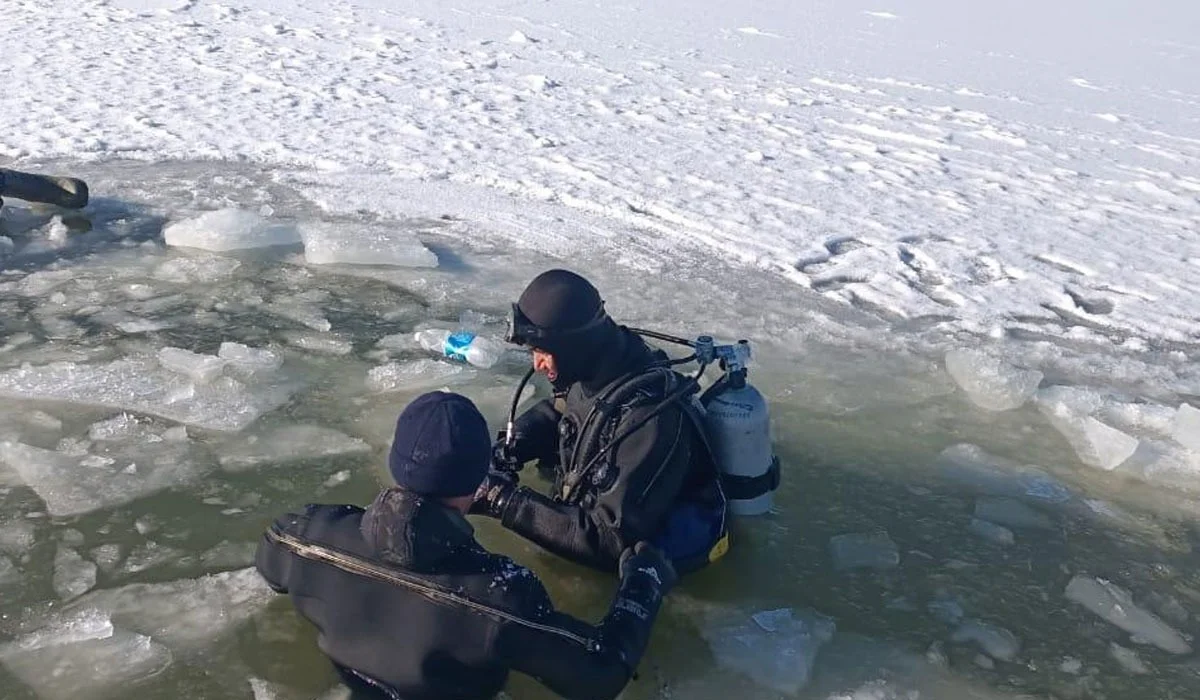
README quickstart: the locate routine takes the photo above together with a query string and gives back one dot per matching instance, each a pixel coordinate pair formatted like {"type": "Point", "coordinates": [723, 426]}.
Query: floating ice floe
{"type": "Point", "coordinates": [419, 374]}
{"type": "Point", "coordinates": [364, 244]}
{"type": "Point", "coordinates": [83, 655]}
{"type": "Point", "coordinates": [144, 385]}
{"type": "Point", "coordinates": [110, 471]}
{"type": "Point", "coordinates": [287, 444]}
{"type": "Point", "coordinates": [1096, 444]}
{"type": "Point", "coordinates": [229, 229]}
{"type": "Point", "coordinates": [1127, 659]}
{"type": "Point", "coordinates": [1116, 605]}
{"type": "Point", "coordinates": [774, 648]}
{"type": "Point", "coordinates": [991, 383]}
{"type": "Point", "coordinates": [107, 640]}
{"type": "Point", "coordinates": [869, 550]}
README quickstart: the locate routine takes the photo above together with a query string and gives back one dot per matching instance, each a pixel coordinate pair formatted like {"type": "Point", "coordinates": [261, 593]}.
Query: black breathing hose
{"type": "Point", "coordinates": [512, 409]}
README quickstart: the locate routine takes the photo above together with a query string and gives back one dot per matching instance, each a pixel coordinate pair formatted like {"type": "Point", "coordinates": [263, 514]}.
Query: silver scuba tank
{"type": "Point", "coordinates": [738, 425]}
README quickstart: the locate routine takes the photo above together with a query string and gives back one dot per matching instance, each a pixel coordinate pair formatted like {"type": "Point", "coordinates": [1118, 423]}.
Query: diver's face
{"type": "Point", "coordinates": [543, 362]}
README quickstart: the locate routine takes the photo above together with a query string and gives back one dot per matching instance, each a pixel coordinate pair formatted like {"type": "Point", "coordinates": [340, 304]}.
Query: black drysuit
{"type": "Point", "coordinates": [408, 605]}
{"type": "Point", "coordinates": [659, 485]}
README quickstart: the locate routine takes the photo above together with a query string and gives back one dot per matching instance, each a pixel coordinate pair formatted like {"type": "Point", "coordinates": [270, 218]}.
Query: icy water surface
{"type": "Point", "coordinates": [949, 526]}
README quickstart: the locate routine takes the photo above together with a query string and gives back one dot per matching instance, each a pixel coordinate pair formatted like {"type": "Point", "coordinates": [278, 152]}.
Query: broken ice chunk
{"type": "Point", "coordinates": [1127, 659]}
{"type": "Point", "coordinates": [1116, 605]}
{"type": "Point", "coordinates": [990, 383]}
{"type": "Point", "coordinates": [16, 536]}
{"type": "Point", "coordinates": [412, 376]}
{"type": "Point", "coordinates": [1186, 428]}
{"type": "Point", "coordinates": [996, 642]}
{"type": "Point", "coordinates": [73, 575]}
{"type": "Point", "coordinates": [321, 344]}
{"type": "Point", "coordinates": [186, 614]}
{"type": "Point", "coordinates": [199, 267]}
{"type": "Point", "coordinates": [82, 656]}
{"type": "Point", "coordinates": [871, 550]}
{"type": "Point", "coordinates": [106, 556]}
{"type": "Point", "coordinates": [775, 648]}
{"type": "Point", "coordinates": [1006, 511]}
{"type": "Point", "coordinates": [229, 229]}
{"type": "Point", "coordinates": [289, 443]}
{"type": "Point", "coordinates": [248, 361]}
{"type": "Point", "coordinates": [991, 532]}
{"type": "Point", "coordinates": [229, 555]}
{"type": "Point", "coordinates": [8, 572]}
{"type": "Point", "coordinates": [947, 611]}
{"type": "Point", "coordinates": [364, 244]}
{"type": "Point", "coordinates": [69, 487]}
{"type": "Point", "coordinates": [201, 369]}
{"type": "Point", "coordinates": [140, 384]}
{"type": "Point", "coordinates": [151, 555]}
{"type": "Point", "coordinates": [1096, 444]}
{"type": "Point", "coordinates": [303, 313]}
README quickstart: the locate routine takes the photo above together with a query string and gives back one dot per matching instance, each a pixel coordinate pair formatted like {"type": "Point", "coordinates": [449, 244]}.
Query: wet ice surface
{"type": "Point", "coordinates": [943, 497]}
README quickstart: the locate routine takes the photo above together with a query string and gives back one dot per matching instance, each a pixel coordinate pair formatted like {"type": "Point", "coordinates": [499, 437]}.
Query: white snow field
{"type": "Point", "coordinates": [964, 239]}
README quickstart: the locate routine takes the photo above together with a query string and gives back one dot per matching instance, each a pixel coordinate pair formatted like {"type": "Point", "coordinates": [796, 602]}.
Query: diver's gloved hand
{"type": "Point", "coordinates": [644, 558]}
{"type": "Point", "coordinates": [494, 494]}
{"type": "Point", "coordinates": [504, 454]}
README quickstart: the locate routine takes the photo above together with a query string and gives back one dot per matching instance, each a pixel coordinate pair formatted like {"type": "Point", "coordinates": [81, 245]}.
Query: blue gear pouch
{"type": "Point", "coordinates": [456, 345]}
{"type": "Point", "coordinates": [690, 531]}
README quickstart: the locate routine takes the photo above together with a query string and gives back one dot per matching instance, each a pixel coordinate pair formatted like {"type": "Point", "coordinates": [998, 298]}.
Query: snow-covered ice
{"type": "Point", "coordinates": [991, 383]}
{"type": "Point", "coordinates": [229, 229]}
{"type": "Point", "coordinates": [1117, 606]}
{"type": "Point", "coordinates": [364, 244]}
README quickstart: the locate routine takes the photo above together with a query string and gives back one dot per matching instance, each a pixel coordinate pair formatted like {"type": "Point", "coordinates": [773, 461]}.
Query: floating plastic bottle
{"type": "Point", "coordinates": [463, 346]}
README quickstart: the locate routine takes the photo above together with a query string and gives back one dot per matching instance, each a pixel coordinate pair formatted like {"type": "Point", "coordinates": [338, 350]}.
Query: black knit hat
{"type": "Point", "coordinates": [442, 447]}
{"type": "Point", "coordinates": [572, 324]}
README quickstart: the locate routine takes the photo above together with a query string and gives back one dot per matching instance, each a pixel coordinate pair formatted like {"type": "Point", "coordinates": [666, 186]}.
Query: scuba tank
{"type": "Point", "coordinates": [737, 423]}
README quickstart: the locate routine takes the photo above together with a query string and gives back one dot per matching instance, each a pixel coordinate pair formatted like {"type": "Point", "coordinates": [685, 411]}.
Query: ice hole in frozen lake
{"type": "Point", "coordinates": [214, 389]}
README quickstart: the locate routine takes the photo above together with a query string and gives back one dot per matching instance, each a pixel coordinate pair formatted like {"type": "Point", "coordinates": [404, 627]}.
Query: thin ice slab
{"type": "Point", "coordinates": [143, 385]}
{"type": "Point", "coordinates": [991, 383]}
{"type": "Point", "coordinates": [83, 655]}
{"type": "Point", "coordinates": [229, 229]}
{"type": "Point", "coordinates": [1186, 428]}
{"type": "Point", "coordinates": [109, 475]}
{"type": "Point", "coordinates": [1097, 444]}
{"type": "Point", "coordinates": [774, 648]}
{"type": "Point", "coordinates": [364, 244]}
{"type": "Point", "coordinates": [288, 444]}
{"type": "Point", "coordinates": [1116, 605]}
{"type": "Point", "coordinates": [413, 376]}
{"type": "Point", "coordinates": [864, 550]}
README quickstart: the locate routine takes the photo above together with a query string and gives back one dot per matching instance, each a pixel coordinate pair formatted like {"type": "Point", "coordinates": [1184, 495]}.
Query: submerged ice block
{"type": "Point", "coordinates": [773, 648]}
{"type": "Point", "coordinates": [288, 444]}
{"type": "Point", "coordinates": [1116, 605]}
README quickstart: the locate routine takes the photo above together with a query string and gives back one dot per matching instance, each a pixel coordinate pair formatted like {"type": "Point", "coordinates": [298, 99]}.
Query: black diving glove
{"type": "Point", "coordinates": [494, 494]}
{"type": "Point", "coordinates": [646, 559]}
{"type": "Point", "coordinates": [504, 455]}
